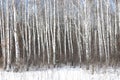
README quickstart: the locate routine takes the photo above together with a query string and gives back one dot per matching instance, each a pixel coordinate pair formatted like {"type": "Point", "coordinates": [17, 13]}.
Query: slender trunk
{"type": "Point", "coordinates": [65, 30]}
{"type": "Point", "coordinates": [17, 51]}
{"type": "Point", "coordinates": [3, 41]}
{"type": "Point", "coordinates": [99, 30]}
{"type": "Point", "coordinates": [108, 34]}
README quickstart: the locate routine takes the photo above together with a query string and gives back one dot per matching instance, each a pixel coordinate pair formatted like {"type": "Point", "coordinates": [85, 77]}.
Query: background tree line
{"type": "Point", "coordinates": [46, 33]}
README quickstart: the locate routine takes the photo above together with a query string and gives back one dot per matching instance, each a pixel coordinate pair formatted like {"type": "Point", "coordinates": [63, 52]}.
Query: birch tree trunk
{"type": "Point", "coordinates": [3, 39]}
{"type": "Point", "coordinates": [17, 51]}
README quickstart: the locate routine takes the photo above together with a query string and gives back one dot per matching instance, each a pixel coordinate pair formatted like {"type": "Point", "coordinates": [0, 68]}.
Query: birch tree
{"type": "Point", "coordinates": [17, 51]}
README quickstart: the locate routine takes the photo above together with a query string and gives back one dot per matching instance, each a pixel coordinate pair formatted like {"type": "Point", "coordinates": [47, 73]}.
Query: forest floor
{"type": "Point", "coordinates": [65, 73]}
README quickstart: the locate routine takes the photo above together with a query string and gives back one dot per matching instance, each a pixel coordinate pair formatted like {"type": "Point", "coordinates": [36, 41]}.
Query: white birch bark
{"type": "Point", "coordinates": [108, 45]}
{"type": "Point", "coordinates": [118, 2]}
{"type": "Point", "coordinates": [37, 26]}
{"type": "Point", "coordinates": [3, 41]}
{"type": "Point", "coordinates": [46, 31]}
{"type": "Point", "coordinates": [7, 35]}
{"type": "Point", "coordinates": [103, 28]}
{"type": "Point", "coordinates": [70, 28]}
{"type": "Point", "coordinates": [50, 29]}
{"type": "Point", "coordinates": [26, 33]}
{"type": "Point", "coordinates": [34, 33]}
{"type": "Point", "coordinates": [58, 29]}
{"type": "Point", "coordinates": [86, 30]}
{"type": "Point", "coordinates": [116, 27]}
{"type": "Point", "coordinates": [42, 40]}
{"type": "Point", "coordinates": [29, 33]}
{"type": "Point", "coordinates": [79, 33]}
{"type": "Point", "coordinates": [17, 51]}
{"type": "Point", "coordinates": [65, 29]}
{"type": "Point", "coordinates": [99, 30]}
{"type": "Point", "coordinates": [54, 34]}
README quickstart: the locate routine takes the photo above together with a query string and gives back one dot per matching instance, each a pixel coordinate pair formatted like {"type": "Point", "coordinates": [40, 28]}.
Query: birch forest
{"type": "Point", "coordinates": [55, 33]}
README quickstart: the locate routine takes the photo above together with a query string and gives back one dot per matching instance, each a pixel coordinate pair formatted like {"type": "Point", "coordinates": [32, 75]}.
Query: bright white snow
{"type": "Point", "coordinates": [63, 74]}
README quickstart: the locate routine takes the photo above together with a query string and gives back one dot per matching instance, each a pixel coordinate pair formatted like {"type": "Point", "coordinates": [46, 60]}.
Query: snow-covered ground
{"type": "Point", "coordinates": [63, 74]}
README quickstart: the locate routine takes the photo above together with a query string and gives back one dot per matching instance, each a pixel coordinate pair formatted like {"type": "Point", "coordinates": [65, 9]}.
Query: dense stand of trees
{"type": "Point", "coordinates": [59, 32]}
